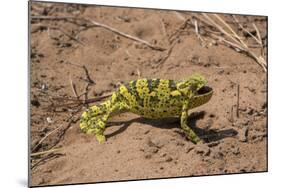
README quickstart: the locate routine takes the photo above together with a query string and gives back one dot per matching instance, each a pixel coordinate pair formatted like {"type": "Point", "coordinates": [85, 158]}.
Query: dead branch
{"type": "Point", "coordinates": [260, 40]}
{"type": "Point", "coordinates": [231, 115]}
{"type": "Point", "coordinates": [229, 43]}
{"type": "Point", "coordinates": [220, 28]}
{"type": "Point", "coordinates": [179, 15]}
{"type": "Point", "coordinates": [235, 41]}
{"type": "Point", "coordinates": [71, 121]}
{"type": "Point", "coordinates": [88, 77]}
{"type": "Point", "coordinates": [86, 90]}
{"type": "Point", "coordinates": [166, 56]}
{"type": "Point", "coordinates": [73, 87]}
{"type": "Point", "coordinates": [127, 35]}
{"type": "Point", "coordinates": [138, 73]}
{"type": "Point", "coordinates": [97, 24]}
{"type": "Point", "coordinates": [245, 30]}
{"type": "Point", "coordinates": [231, 30]}
{"type": "Point", "coordinates": [237, 104]}
{"type": "Point", "coordinates": [79, 101]}
{"type": "Point", "coordinates": [178, 31]}
{"type": "Point", "coordinates": [44, 138]}
{"type": "Point", "coordinates": [45, 152]}
{"type": "Point", "coordinates": [258, 33]}
{"type": "Point", "coordinates": [74, 64]}
{"type": "Point", "coordinates": [48, 157]}
{"type": "Point", "coordinates": [90, 80]}
{"type": "Point", "coordinates": [202, 42]}
{"type": "Point", "coordinates": [65, 33]}
{"type": "Point", "coordinates": [163, 27]}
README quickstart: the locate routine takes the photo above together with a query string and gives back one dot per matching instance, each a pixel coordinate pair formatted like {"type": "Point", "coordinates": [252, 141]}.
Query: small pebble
{"type": "Point", "coordinates": [220, 71]}
{"type": "Point", "coordinates": [44, 87]}
{"type": "Point", "coordinates": [148, 156]}
{"type": "Point", "coordinates": [202, 150]}
{"type": "Point", "coordinates": [179, 143]}
{"type": "Point", "coordinates": [243, 134]}
{"type": "Point", "coordinates": [168, 159]}
{"type": "Point", "coordinates": [212, 115]}
{"type": "Point", "coordinates": [146, 132]}
{"type": "Point", "coordinates": [250, 111]}
{"type": "Point", "coordinates": [188, 149]}
{"type": "Point", "coordinates": [35, 103]}
{"type": "Point", "coordinates": [154, 150]}
{"type": "Point", "coordinates": [49, 120]}
{"type": "Point", "coordinates": [212, 144]}
{"type": "Point", "coordinates": [236, 151]}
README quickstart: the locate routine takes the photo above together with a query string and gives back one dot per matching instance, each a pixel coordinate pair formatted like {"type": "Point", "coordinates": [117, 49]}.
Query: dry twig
{"type": "Point", "coordinates": [138, 73]}
{"type": "Point", "coordinates": [44, 138]}
{"type": "Point", "coordinates": [48, 157]}
{"type": "Point", "coordinates": [235, 41]}
{"type": "Point", "coordinates": [240, 41]}
{"type": "Point", "coordinates": [166, 56]}
{"type": "Point", "coordinates": [73, 87]}
{"type": "Point", "coordinates": [65, 33]}
{"type": "Point", "coordinates": [78, 102]}
{"type": "Point", "coordinates": [258, 33]}
{"type": "Point", "coordinates": [45, 152]}
{"type": "Point", "coordinates": [202, 42]}
{"type": "Point", "coordinates": [245, 30]}
{"type": "Point", "coordinates": [260, 40]}
{"type": "Point", "coordinates": [90, 80]}
{"type": "Point", "coordinates": [220, 28]}
{"type": "Point", "coordinates": [127, 35]}
{"type": "Point", "coordinates": [97, 24]}
{"type": "Point", "coordinates": [179, 15]}
{"type": "Point", "coordinates": [237, 104]}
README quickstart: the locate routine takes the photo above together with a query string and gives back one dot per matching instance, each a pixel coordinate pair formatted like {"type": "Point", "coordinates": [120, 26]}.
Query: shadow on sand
{"type": "Point", "coordinates": [208, 135]}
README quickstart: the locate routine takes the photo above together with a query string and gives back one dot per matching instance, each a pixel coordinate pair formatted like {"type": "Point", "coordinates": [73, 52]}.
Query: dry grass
{"type": "Point", "coordinates": [221, 31]}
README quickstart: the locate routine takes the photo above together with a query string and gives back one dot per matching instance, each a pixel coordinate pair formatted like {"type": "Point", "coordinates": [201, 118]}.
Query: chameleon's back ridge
{"type": "Point", "coordinates": [150, 98]}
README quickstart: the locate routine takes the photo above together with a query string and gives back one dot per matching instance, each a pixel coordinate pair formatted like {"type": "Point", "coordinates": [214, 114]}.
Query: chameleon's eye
{"type": "Point", "coordinates": [182, 86]}
{"type": "Point", "coordinates": [193, 88]}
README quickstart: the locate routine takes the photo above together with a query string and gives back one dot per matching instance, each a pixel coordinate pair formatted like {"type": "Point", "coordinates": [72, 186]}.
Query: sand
{"type": "Point", "coordinates": [139, 148]}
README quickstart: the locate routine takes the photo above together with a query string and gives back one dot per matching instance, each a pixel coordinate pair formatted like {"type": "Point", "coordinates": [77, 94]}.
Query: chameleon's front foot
{"type": "Point", "coordinates": [197, 140]}
{"type": "Point", "coordinates": [192, 136]}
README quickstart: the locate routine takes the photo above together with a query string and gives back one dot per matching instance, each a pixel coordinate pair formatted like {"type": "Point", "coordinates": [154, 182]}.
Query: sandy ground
{"type": "Point", "coordinates": [138, 148]}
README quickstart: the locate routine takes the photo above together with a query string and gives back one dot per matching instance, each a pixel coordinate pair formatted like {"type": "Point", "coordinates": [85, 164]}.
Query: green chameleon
{"type": "Point", "coordinates": [150, 98]}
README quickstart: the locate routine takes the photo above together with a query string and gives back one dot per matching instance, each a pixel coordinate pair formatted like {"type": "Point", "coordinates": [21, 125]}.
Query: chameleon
{"type": "Point", "coordinates": [150, 98]}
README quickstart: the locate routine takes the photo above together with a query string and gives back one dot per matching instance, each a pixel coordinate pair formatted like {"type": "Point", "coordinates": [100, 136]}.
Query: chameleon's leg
{"type": "Point", "coordinates": [112, 107]}
{"type": "Point", "coordinates": [191, 135]}
{"type": "Point", "coordinates": [114, 110]}
{"type": "Point", "coordinates": [93, 121]}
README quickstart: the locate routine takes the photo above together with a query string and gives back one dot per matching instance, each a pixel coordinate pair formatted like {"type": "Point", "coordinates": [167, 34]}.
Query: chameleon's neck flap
{"type": "Point", "coordinates": [202, 97]}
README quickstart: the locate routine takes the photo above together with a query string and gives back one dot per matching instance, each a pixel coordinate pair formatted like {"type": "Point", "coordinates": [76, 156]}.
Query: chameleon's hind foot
{"type": "Point", "coordinates": [101, 138]}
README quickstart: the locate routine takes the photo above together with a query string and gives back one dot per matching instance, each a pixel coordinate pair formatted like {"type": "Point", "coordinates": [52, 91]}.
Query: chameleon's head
{"type": "Point", "coordinates": [195, 87]}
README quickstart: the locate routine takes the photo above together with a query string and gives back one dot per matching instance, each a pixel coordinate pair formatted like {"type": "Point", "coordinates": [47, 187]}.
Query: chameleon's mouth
{"type": "Point", "coordinates": [204, 90]}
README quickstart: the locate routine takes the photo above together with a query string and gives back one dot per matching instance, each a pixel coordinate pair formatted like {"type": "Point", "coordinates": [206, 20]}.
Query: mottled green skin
{"type": "Point", "coordinates": [150, 98]}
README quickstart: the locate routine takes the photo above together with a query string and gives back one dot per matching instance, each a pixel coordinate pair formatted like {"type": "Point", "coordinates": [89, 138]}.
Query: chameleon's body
{"type": "Point", "coordinates": [150, 98]}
